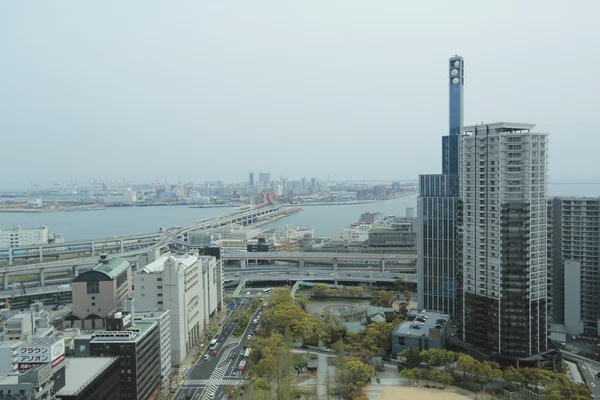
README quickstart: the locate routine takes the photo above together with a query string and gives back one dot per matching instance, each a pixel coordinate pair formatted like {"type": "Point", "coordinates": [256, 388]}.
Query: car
{"type": "Point", "coordinates": [367, 276]}
{"type": "Point", "coordinates": [304, 346]}
{"type": "Point", "coordinates": [247, 293]}
{"type": "Point", "coordinates": [242, 352]}
{"type": "Point", "coordinates": [232, 356]}
{"type": "Point", "coordinates": [249, 337]}
{"type": "Point", "coordinates": [215, 353]}
{"type": "Point", "coordinates": [324, 349]}
{"type": "Point", "coordinates": [206, 357]}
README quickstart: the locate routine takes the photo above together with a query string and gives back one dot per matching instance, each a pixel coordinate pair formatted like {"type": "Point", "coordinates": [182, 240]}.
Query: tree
{"type": "Point", "coordinates": [467, 364]}
{"type": "Point", "coordinates": [356, 291]}
{"type": "Point", "coordinates": [385, 298]}
{"type": "Point", "coordinates": [302, 301]}
{"type": "Point", "coordinates": [409, 358]}
{"type": "Point", "coordinates": [280, 295]}
{"type": "Point", "coordinates": [263, 385]}
{"type": "Point", "coordinates": [355, 375]}
{"type": "Point", "coordinates": [399, 282]}
{"type": "Point", "coordinates": [321, 289]}
{"type": "Point", "coordinates": [407, 295]}
{"type": "Point", "coordinates": [255, 302]}
{"type": "Point", "coordinates": [412, 374]}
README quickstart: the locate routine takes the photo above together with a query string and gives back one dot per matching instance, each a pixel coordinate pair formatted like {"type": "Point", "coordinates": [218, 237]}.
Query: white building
{"type": "Point", "coordinates": [353, 234]}
{"type": "Point", "coordinates": [163, 320]}
{"type": "Point", "coordinates": [8, 357]}
{"type": "Point", "coordinates": [503, 188]}
{"type": "Point", "coordinates": [19, 237]}
{"type": "Point", "coordinates": [187, 286]}
{"type": "Point", "coordinates": [127, 197]}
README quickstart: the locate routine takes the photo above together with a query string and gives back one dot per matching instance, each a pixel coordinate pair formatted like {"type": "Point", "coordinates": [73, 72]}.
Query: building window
{"type": "Point", "coordinates": [158, 279]}
{"type": "Point", "coordinates": [401, 340]}
{"type": "Point", "coordinates": [93, 304]}
{"type": "Point", "coordinates": [93, 287]}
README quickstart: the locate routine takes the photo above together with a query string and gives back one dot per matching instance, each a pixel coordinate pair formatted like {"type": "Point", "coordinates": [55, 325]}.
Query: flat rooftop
{"type": "Point", "coordinates": [142, 326]}
{"type": "Point", "coordinates": [410, 327]}
{"type": "Point", "coordinates": [79, 371]}
{"type": "Point", "coordinates": [159, 265]}
{"type": "Point", "coordinates": [499, 126]}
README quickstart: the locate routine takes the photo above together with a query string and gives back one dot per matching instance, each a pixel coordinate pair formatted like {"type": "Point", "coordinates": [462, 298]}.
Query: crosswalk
{"type": "Point", "coordinates": [219, 373]}
{"type": "Point", "coordinates": [218, 382]}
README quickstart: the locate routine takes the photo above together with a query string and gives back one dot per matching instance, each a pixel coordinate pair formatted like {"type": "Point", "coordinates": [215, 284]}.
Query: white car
{"type": "Point", "coordinates": [206, 357]}
{"type": "Point", "coordinates": [324, 349]}
{"type": "Point", "coordinates": [249, 337]}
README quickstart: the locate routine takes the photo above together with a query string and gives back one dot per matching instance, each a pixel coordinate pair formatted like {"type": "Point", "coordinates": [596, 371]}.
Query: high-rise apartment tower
{"type": "Point", "coordinates": [503, 225]}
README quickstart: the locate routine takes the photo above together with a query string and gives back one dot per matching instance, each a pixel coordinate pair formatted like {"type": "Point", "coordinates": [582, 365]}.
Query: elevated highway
{"type": "Point", "coordinates": [335, 258]}
{"type": "Point", "coordinates": [138, 244]}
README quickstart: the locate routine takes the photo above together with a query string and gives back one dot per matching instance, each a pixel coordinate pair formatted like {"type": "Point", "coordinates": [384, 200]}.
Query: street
{"type": "Point", "coordinates": [208, 378]}
{"type": "Point", "coordinates": [590, 368]}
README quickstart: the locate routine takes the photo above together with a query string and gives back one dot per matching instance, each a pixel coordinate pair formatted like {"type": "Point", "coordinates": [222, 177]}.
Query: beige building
{"type": "Point", "coordinates": [99, 291]}
{"type": "Point", "coordinates": [187, 286]}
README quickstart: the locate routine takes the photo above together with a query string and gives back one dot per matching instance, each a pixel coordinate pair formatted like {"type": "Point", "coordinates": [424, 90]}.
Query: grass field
{"type": "Point", "coordinates": [302, 360]}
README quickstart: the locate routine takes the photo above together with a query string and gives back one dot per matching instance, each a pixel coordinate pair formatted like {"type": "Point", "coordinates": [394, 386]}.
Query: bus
{"type": "Point", "coordinates": [247, 352]}
{"type": "Point", "coordinates": [213, 344]}
{"type": "Point", "coordinates": [242, 365]}
{"type": "Point", "coordinates": [267, 290]}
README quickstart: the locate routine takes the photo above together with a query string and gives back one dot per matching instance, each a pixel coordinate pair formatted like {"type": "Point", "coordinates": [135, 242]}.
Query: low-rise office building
{"type": "Point", "coordinates": [91, 378]}
{"type": "Point", "coordinates": [188, 286]}
{"type": "Point", "coordinates": [9, 357]}
{"type": "Point", "coordinates": [38, 383]}
{"type": "Point", "coordinates": [19, 237]}
{"type": "Point", "coordinates": [422, 330]}
{"type": "Point", "coordinates": [99, 291]}
{"type": "Point", "coordinates": [163, 320]}
{"type": "Point", "coordinates": [138, 348]}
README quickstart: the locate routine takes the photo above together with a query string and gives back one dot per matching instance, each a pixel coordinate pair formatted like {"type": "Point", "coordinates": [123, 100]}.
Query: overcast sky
{"type": "Point", "coordinates": [206, 90]}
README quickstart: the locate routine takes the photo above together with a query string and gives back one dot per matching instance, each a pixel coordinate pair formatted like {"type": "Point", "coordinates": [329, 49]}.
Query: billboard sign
{"type": "Point", "coordinates": [31, 354]}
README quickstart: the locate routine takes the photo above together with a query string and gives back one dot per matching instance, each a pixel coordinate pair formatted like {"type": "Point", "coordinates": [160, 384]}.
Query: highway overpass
{"type": "Point", "coordinates": [138, 244]}
{"type": "Point", "coordinates": [335, 258]}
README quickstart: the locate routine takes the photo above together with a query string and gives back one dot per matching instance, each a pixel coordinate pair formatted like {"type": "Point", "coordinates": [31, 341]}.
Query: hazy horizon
{"type": "Point", "coordinates": [205, 91]}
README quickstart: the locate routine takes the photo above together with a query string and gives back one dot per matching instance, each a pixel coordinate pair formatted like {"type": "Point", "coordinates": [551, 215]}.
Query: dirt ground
{"type": "Point", "coordinates": [411, 392]}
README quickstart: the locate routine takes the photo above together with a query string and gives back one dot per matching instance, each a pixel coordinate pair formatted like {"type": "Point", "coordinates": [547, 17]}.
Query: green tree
{"type": "Point", "coordinates": [255, 302]}
{"type": "Point", "coordinates": [263, 385]}
{"type": "Point", "coordinates": [302, 301]}
{"type": "Point", "coordinates": [280, 295]}
{"type": "Point", "coordinates": [407, 295]}
{"type": "Point", "coordinates": [409, 358]}
{"type": "Point", "coordinates": [356, 291]}
{"type": "Point", "coordinates": [355, 375]}
{"type": "Point", "coordinates": [467, 365]}
{"type": "Point", "coordinates": [321, 289]}
{"type": "Point", "coordinates": [399, 283]}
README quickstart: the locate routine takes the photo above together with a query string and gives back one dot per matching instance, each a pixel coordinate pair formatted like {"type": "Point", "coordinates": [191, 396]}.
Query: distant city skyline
{"type": "Point", "coordinates": [142, 89]}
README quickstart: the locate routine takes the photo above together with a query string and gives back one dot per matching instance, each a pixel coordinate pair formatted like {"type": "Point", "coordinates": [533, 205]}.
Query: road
{"type": "Point", "coordinates": [590, 368]}
{"type": "Point", "coordinates": [210, 377]}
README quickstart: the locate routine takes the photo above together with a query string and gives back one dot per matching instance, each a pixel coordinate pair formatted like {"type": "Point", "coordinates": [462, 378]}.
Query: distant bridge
{"type": "Point", "coordinates": [138, 244]}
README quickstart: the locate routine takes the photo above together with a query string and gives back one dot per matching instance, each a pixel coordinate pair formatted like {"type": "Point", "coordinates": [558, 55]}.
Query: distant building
{"type": "Point", "coordinates": [91, 378]}
{"type": "Point", "coordinates": [99, 291]}
{"type": "Point", "coordinates": [262, 245]}
{"type": "Point", "coordinates": [251, 178]}
{"type": "Point", "coordinates": [265, 179]}
{"type": "Point", "coordinates": [34, 203]}
{"type": "Point", "coordinates": [574, 245]}
{"type": "Point", "coordinates": [9, 357]}
{"type": "Point", "coordinates": [422, 330]}
{"type": "Point", "coordinates": [19, 327]}
{"type": "Point", "coordinates": [188, 287]}
{"type": "Point", "coordinates": [19, 237]}
{"type": "Point", "coordinates": [401, 236]}
{"type": "Point", "coordinates": [370, 218]}
{"type": "Point", "coordinates": [127, 197]}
